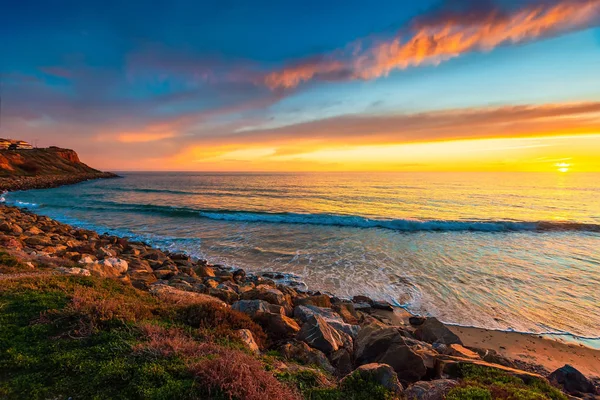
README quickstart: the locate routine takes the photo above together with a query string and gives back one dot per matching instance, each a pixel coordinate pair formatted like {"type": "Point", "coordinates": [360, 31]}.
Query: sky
{"type": "Point", "coordinates": [271, 85]}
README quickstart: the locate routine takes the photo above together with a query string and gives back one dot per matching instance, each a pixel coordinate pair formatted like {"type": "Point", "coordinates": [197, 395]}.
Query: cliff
{"type": "Point", "coordinates": [34, 162]}
{"type": "Point", "coordinates": [44, 168]}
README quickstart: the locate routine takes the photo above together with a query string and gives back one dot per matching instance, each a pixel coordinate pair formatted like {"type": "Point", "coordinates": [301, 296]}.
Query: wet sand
{"type": "Point", "coordinates": [533, 349]}
{"type": "Point", "coordinates": [550, 353]}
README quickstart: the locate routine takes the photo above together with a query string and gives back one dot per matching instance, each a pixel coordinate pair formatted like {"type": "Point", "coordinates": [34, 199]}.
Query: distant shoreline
{"type": "Point", "coordinates": [17, 183]}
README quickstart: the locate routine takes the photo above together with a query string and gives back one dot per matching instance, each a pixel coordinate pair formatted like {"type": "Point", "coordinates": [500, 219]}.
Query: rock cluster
{"type": "Point", "coordinates": [419, 358]}
{"type": "Point", "coordinates": [14, 183]}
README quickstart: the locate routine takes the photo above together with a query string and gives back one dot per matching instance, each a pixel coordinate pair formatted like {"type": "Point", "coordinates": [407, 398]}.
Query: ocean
{"type": "Point", "coordinates": [507, 251]}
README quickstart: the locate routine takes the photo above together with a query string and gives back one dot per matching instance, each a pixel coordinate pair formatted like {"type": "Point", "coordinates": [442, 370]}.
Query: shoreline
{"type": "Point", "coordinates": [592, 343]}
{"type": "Point", "coordinates": [530, 351]}
{"type": "Point", "coordinates": [19, 183]}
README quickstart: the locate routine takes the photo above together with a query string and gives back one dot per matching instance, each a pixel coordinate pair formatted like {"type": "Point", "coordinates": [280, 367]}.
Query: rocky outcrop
{"type": "Point", "coordinates": [317, 333]}
{"type": "Point", "coordinates": [430, 390]}
{"type": "Point", "coordinates": [572, 381]}
{"type": "Point", "coordinates": [381, 374]}
{"type": "Point", "coordinates": [433, 331]}
{"type": "Point", "coordinates": [390, 346]}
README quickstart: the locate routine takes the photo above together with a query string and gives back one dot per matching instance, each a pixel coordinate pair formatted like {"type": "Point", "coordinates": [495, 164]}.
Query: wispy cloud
{"type": "Point", "coordinates": [439, 37]}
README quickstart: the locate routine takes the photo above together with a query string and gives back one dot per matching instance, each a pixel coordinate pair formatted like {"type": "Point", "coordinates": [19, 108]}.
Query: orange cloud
{"type": "Point", "coordinates": [437, 41]}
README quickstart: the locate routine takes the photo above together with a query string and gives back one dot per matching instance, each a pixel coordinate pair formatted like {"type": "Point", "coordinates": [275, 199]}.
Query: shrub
{"type": "Point", "coordinates": [237, 375]}
{"type": "Point", "coordinates": [222, 321]}
{"type": "Point", "coordinates": [91, 310]}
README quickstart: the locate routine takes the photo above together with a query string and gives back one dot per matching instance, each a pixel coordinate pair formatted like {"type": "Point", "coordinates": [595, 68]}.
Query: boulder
{"type": "Point", "coordinates": [417, 320]}
{"type": "Point", "coordinates": [305, 354]}
{"type": "Point", "coordinates": [342, 362]}
{"type": "Point", "coordinates": [252, 308]}
{"type": "Point", "coordinates": [348, 313]}
{"type": "Point", "coordinates": [304, 313]}
{"type": "Point", "coordinates": [430, 390]}
{"type": "Point", "coordinates": [248, 339]}
{"type": "Point", "coordinates": [268, 294]}
{"type": "Point", "coordinates": [34, 230]}
{"type": "Point", "coordinates": [278, 326]}
{"type": "Point", "coordinates": [362, 299]}
{"type": "Point", "coordinates": [389, 346]}
{"type": "Point", "coordinates": [381, 374]}
{"type": "Point", "coordinates": [321, 300]}
{"type": "Point", "coordinates": [224, 293]}
{"type": "Point", "coordinates": [433, 331]}
{"type": "Point", "coordinates": [102, 270]}
{"type": "Point", "coordinates": [141, 279]}
{"type": "Point", "coordinates": [572, 381]}
{"type": "Point", "coordinates": [317, 333]}
{"type": "Point", "coordinates": [38, 241]}
{"type": "Point", "coordinates": [117, 263]}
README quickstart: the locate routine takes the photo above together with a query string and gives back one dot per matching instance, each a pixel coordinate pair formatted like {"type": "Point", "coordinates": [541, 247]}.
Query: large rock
{"type": "Point", "coordinates": [141, 279]}
{"type": "Point", "coordinates": [252, 308]}
{"type": "Point", "coordinates": [321, 300]}
{"type": "Point", "coordinates": [304, 313]}
{"type": "Point", "coordinates": [224, 293]}
{"type": "Point", "coordinates": [320, 335]}
{"type": "Point", "coordinates": [278, 326]}
{"type": "Point", "coordinates": [571, 380]}
{"type": "Point", "coordinates": [348, 313]}
{"type": "Point", "coordinates": [430, 390]}
{"type": "Point", "coordinates": [342, 362]}
{"type": "Point", "coordinates": [266, 293]}
{"type": "Point", "coordinates": [305, 354]}
{"type": "Point", "coordinates": [389, 346]}
{"type": "Point", "coordinates": [117, 263]}
{"type": "Point", "coordinates": [102, 270]}
{"type": "Point", "coordinates": [433, 331]}
{"type": "Point", "coordinates": [381, 374]}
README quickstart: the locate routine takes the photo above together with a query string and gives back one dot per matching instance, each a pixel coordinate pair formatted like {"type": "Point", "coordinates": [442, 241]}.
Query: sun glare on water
{"type": "Point", "coordinates": [563, 167]}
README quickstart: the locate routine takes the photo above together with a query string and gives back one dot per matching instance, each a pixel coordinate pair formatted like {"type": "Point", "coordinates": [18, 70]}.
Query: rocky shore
{"type": "Point", "coordinates": [336, 340]}
{"type": "Point", "coordinates": [14, 183]}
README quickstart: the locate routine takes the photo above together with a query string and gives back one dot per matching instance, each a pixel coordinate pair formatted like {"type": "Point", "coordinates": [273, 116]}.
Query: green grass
{"type": "Point", "coordinates": [482, 383]}
{"type": "Point", "coordinates": [352, 388]}
{"type": "Point", "coordinates": [87, 338]}
{"type": "Point", "coordinates": [40, 361]}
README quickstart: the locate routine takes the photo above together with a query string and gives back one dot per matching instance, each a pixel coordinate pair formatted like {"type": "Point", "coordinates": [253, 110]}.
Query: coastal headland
{"type": "Point", "coordinates": [90, 315]}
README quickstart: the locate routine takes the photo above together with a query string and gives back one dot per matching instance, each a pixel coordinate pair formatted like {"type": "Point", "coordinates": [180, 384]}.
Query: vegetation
{"type": "Point", "coordinates": [10, 264]}
{"type": "Point", "coordinates": [481, 383]}
{"type": "Point", "coordinates": [78, 337]}
{"type": "Point", "coordinates": [310, 384]}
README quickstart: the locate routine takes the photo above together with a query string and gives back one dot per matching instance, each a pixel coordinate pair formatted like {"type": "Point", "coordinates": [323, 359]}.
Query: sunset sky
{"type": "Point", "coordinates": [474, 85]}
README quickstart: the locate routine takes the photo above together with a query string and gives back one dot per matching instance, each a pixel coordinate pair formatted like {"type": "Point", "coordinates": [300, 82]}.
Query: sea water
{"type": "Point", "coordinates": [510, 251]}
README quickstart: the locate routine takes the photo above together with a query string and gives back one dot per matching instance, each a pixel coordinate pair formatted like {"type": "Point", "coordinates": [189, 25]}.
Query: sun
{"type": "Point", "coordinates": [563, 167]}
